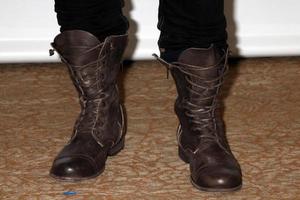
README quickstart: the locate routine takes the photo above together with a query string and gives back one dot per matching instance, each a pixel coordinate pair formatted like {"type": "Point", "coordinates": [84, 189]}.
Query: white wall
{"type": "Point", "coordinates": [256, 28]}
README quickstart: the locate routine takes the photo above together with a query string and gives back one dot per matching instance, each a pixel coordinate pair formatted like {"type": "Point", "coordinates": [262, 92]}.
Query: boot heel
{"type": "Point", "coordinates": [183, 156]}
{"type": "Point", "coordinates": [117, 148]}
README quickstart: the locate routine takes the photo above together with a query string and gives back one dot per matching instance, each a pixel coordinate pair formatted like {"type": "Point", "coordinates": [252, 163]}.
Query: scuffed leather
{"type": "Point", "coordinates": [198, 75]}
{"type": "Point", "coordinates": [99, 129]}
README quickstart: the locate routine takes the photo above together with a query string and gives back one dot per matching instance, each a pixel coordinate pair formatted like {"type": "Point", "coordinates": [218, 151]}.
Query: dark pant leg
{"type": "Point", "coordinates": [191, 23]}
{"type": "Point", "coordinates": [99, 17]}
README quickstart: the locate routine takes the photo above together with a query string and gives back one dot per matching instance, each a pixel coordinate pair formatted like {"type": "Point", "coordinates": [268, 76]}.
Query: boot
{"type": "Point", "coordinates": [198, 74]}
{"type": "Point", "coordinates": [100, 128]}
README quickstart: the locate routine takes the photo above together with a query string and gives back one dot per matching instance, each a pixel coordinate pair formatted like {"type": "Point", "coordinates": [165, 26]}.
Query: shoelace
{"type": "Point", "coordinates": [92, 119]}
{"type": "Point", "coordinates": [89, 117]}
{"type": "Point", "coordinates": [204, 125]}
{"type": "Point", "coordinates": [202, 117]}
{"type": "Point", "coordinates": [99, 62]}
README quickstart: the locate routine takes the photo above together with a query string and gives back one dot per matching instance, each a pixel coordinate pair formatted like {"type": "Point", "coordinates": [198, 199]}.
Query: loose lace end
{"type": "Point", "coordinates": [163, 62]}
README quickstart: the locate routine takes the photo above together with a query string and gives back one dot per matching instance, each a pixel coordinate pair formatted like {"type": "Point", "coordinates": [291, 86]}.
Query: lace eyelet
{"type": "Point", "coordinates": [102, 96]}
{"type": "Point", "coordinates": [103, 104]}
{"type": "Point", "coordinates": [101, 76]}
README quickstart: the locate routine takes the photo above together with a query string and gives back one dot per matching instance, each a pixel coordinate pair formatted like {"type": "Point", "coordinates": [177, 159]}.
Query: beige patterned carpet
{"type": "Point", "coordinates": [38, 106]}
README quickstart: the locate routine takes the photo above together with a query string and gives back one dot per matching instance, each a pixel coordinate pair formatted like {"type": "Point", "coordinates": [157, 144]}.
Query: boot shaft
{"type": "Point", "coordinates": [198, 74]}
{"type": "Point", "coordinates": [93, 65]}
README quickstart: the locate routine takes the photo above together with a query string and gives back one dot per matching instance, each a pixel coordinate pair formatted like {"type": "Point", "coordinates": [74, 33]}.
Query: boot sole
{"type": "Point", "coordinates": [113, 151]}
{"type": "Point", "coordinates": [185, 158]}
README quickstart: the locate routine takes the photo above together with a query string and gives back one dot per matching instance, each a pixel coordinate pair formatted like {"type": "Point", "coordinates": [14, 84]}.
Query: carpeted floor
{"type": "Point", "coordinates": [38, 106]}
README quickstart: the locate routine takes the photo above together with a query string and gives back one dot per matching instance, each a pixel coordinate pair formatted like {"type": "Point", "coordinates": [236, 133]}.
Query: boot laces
{"type": "Point", "coordinates": [202, 116]}
{"type": "Point", "coordinates": [92, 108]}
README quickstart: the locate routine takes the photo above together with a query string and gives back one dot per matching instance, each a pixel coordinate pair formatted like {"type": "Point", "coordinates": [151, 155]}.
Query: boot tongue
{"type": "Point", "coordinates": [203, 62]}
{"type": "Point", "coordinates": [76, 46]}
{"type": "Point", "coordinates": [201, 59]}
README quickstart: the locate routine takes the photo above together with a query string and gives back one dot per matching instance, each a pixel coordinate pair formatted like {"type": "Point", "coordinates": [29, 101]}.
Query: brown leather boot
{"type": "Point", "coordinates": [202, 143]}
{"type": "Point", "coordinates": [100, 129]}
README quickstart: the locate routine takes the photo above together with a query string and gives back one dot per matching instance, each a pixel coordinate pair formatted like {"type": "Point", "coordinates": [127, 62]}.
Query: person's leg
{"type": "Point", "coordinates": [194, 23]}
{"type": "Point", "coordinates": [102, 18]}
{"type": "Point", "coordinates": [186, 24]}
{"type": "Point", "coordinates": [193, 46]}
{"type": "Point", "coordinates": [92, 41]}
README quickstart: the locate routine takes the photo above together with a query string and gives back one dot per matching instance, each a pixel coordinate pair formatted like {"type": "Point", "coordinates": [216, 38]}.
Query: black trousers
{"type": "Point", "coordinates": [183, 23]}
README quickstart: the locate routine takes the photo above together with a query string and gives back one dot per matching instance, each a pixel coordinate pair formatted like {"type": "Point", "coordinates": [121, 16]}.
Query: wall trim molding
{"type": "Point", "coordinates": [16, 51]}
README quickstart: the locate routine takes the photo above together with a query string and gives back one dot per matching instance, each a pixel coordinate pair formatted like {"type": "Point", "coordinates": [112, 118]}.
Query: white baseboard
{"type": "Point", "coordinates": [248, 46]}
{"type": "Point", "coordinates": [265, 46]}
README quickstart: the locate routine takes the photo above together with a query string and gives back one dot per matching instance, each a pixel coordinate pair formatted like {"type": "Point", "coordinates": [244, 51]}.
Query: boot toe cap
{"type": "Point", "coordinates": [74, 168]}
{"type": "Point", "coordinates": [219, 180]}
